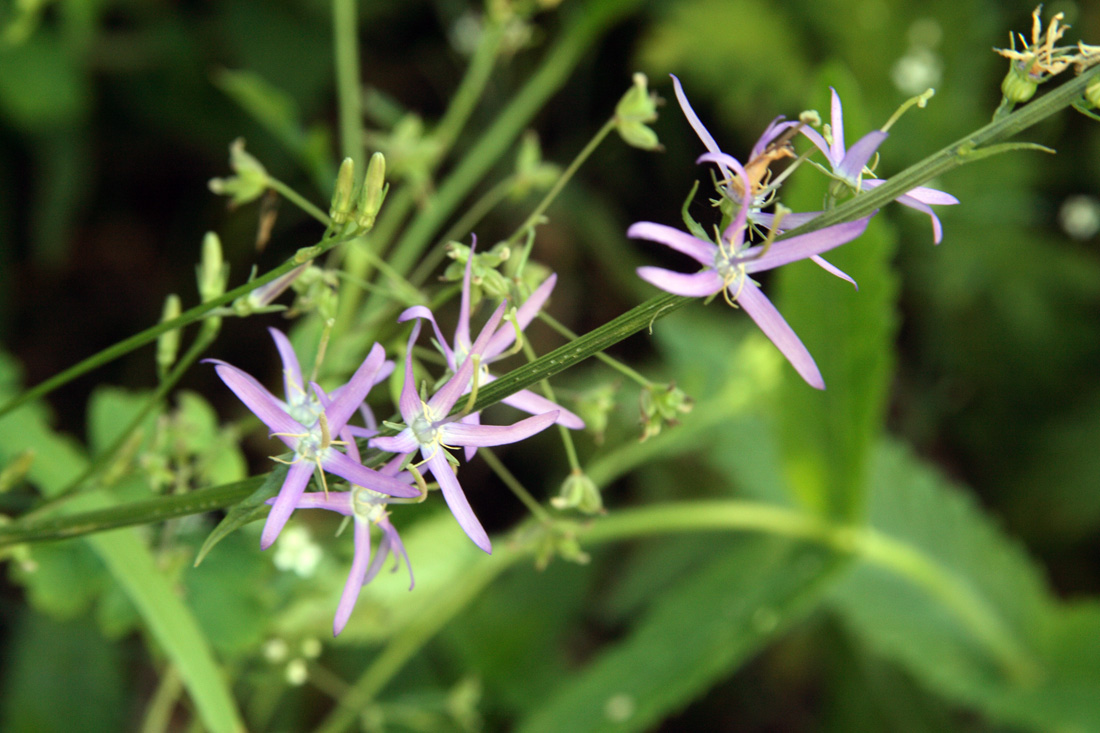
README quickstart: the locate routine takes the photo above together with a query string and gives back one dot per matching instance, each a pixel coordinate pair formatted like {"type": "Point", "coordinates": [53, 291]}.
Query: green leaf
{"type": "Point", "coordinates": [696, 633]}
{"type": "Point", "coordinates": [245, 512]}
{"type": "Point", "coordinates": [827, 436]}
{"type": "Point", "coordinates": [110, 409]}
{"type": "Point", "coordinates": [1001, 643]}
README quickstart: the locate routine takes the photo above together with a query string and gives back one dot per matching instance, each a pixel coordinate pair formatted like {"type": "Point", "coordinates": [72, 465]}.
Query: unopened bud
{"type": "Point", "coordinates": [168, 343]}
{"type": "Point", "coordinates": [579, 492]}
{"type": "Point", "coordinates": [373, 193]}
{"type": "Point", "coordinates": [213, 272]}
{"type": "Point", "coordinates": [340, 210]}
{"type": "Point", "coordinates": [661, 405]}
{"type": "Point", "coordinates": [1092, 93]}
{"type": "Point", "coordinates": [637, 108]}
{"type": "Point", "coordinates": [1018, 86]}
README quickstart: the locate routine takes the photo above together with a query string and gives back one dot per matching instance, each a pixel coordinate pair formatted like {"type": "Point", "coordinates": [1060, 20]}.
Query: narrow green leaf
{"type": "Point", "coordinates": [695, 634]}
{"type": "Point", "coordinates": [826, 436]}
{"type": "Point", "coordinates": [245, 512]}
{"type": "Point", "coordinates": [171, 624]}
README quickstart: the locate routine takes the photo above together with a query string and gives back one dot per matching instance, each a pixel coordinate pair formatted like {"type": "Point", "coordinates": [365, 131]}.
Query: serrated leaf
{"type": "Point", "coordinates": [827, 436]}
{"type": "Point", "coordinates": [696, 633]}
{"type": "Point", "coordinates": [1005, 646]}
{"type": "Point", "coordinates": [245, 512]}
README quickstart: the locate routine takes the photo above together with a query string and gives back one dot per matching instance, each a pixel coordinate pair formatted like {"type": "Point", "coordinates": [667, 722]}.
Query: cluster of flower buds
{"type": "Point", "coordinates": [358, 205]}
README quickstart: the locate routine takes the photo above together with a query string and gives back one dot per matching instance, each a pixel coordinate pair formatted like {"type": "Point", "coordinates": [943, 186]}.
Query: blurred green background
{"type": "Point", "coordinates": [114, 115]}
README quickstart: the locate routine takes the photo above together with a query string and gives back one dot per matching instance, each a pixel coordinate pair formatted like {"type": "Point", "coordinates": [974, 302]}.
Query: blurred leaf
{"type": "Point", "coordinates": [278, 113]}
{"type": "Point", "coordinates": [696, 633]}
{"type": "Point", "coordinates": [60, 677]}
{"type": "Point", "coordinates": [219, 456]}
{"type": "Point", "coordinates": [110, 409]}
{"type": "Point", "coordinates": [826, 436]}
{"type": "Point", "coordinates": [62, 579]}
{"type": "Point", "coordinates": [1016, 656]}
{"type": "Point", "coordinates": [41, 85]}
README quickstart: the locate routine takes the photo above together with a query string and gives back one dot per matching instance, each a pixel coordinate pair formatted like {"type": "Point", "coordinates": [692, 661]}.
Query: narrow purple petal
{"type": "Point", "coordinates": [697, 285]}
{"type": "Point", "coordinates": [700, 251]}
{"type": "Point", "coordinates": [360, 475]}
{"type": "Point", "coordinates": [836, 123]}
{"type": "Point", "coordinates": [262, 403]}
{"type": "Point", "coordinates": [336, 501]}
{"type": "Point", "coordinates": [409, 401]}
{"type": "Point", "coordinates": [816, 138]}
{"type": "Point", "coordinates": [355, 391]}
{"type": "Point", "coordinates": [774, 129]}
{"type": "Point", "coordinates": [356, 577]}
{"type": "Point", "coordinates": [535, 404]}
{"type": "Point", "coordinates": [403, 442]}
{"type": "Point", "coordinates": [526, 313]}
{"type": "Point", "coordinates": [858, 155]}
{"type": "Point", "coordinates": [419, 311]}
{"type": "Point", "coordinates": [692, 118]}
{"type": "Point", "coordinates": [462, 329]}
{"type": "Point", "coordinates": [761, 310]}
{"type": "Point", "coordinates": [483, 436]}
{"type": "Point", "coordinates": [396, 546]}
{"type": "Point", "coordinates": [286, 502]}
{"type": "Point", "coordinates": [294, 387]}
{"type": "Point", "coordinates": [456, 500]}
{"type": "Point", "coordinates": [833, 270]}
{"type": "Point", "coordinates": [443, 400]}
{"type": "Point", "coordinates": [471, 450]}
{"type": "Point", "coordinates": [804, 245]}
{"type": "Point", "coordinates": [921, 193]}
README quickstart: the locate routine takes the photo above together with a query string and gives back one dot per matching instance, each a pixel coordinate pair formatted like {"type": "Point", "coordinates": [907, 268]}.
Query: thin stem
{"type": "Point", "coordinates": [469, 89]}
{"type": "Point", "coordinates": [563, 179]}
{"type": "Point", "coordinates": [202, 342]}
{"type": "Point", "coordinates": [158, 714]}
{"type": "Point", "coordinates": [515, 486]}
{"type": "Point", "coordinates": [345, 32]}
{"type": "Point", "coordinates": [586, 25]}
{"type": "Point", "coordinates": [548, 392]}
{"type": "Point", "coordinates": [150, 334]}
{"type": "Point", "coordinates": [611, 361]}
{"type": "Point", "coordinates": [299, 200]}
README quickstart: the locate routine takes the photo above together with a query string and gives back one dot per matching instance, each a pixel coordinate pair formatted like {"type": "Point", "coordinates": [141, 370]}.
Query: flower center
{"type": "Point", "coordinates": [424, 427]}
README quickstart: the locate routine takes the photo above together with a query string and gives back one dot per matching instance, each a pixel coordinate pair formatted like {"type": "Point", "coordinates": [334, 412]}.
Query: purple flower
{"type": "Point", "coordinates": [307, 424]}
{"type": "Point", "coordinates": [366, 507]}
{"type": "Point", "coordinates": [432, 432]}
{"type": "Point", "coordinates": [727, 266]}
{"type": "Point", "coordinates": [848, 164]}
{"type": "Point", "coordinates": [499, 342]}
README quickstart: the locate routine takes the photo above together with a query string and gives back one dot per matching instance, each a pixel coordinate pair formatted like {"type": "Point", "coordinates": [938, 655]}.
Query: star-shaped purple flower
{"type": "Point", "coordinates": [431, 431]}
{"type": "Point", "coordinates": [728, 265]}
{"type": "Point", "coordinates": [847, 165]}
{"type": "Point", "coordinates": [307, 424]}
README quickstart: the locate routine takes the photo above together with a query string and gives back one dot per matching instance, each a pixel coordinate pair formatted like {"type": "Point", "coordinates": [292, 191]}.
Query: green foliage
{"type": "Point", "coordinates": [695, 633]}
{"type": "Point", "coordinates": [1021, 656]}
{"type": "Point", "coordinates": [827, 437]}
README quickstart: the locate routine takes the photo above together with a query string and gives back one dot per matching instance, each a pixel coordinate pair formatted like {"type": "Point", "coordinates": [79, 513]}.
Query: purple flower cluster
{"type": "Point", "coordinates": [314, 425]}
{"type": "Point", "coordinates": [731, 257]}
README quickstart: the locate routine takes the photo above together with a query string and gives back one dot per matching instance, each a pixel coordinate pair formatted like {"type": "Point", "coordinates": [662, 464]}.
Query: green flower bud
{"type": "Point", "coordinates": [1018, 86]}
{"type": "Point", "coordinates": [168, 343]}
{"type": "Point", "coordinates": [1092, 93]}
{"type": "Point", "coordinates": [637, 108]}
{"type": "Point", "coordinates": [213, 272]}
{"type": "Point", "coordinates": [579, 492]}
{"type": "Point", "coordinates": [373, 192]}
{"type": "Point", "coordinates": [594, 407]}
{"type": "Point", "coordinates": [661, 405]}
{"type": "Point", "coordinates": [340, 208]}
{"type": "Point", "coordinates": [250, 181]}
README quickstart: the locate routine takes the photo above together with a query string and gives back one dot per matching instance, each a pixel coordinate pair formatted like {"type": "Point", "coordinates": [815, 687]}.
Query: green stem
{"type": "Point", "coordinates": [345, 32]}
{"type": "Point", "coordinates": [299, 200]}
{"type": "Point", "coordinates": [611, 361]}
{"type": "Point", "coordinates": [150, 334]}
{"type": "Point", "coordinates": [566, 437]}
{"type": "Point", "coordinates": [563, 179]}
{"type": "Point", "coordinates": [469, 89]}
{"type": "Point", "coordinates": [586, 25]}
{"type": "Point", "coordinates": [515, 486]}
{"type": "Point", "coordinates": [202, 342]}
